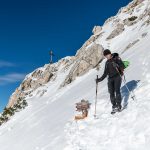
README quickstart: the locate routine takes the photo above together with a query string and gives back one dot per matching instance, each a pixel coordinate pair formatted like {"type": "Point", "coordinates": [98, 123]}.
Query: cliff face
{"type": "Point", "coordinates": [38, 78]}
{"type": "Point", "coordinates": [86, 58]}
{"type": "Point", "coordinates": [90, 54]}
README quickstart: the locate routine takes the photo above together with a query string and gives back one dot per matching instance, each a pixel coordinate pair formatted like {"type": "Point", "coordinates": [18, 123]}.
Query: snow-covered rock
{"type": "Point", "coordinates": [97, 30]}
{"type": "Point", "coordinates": [85, 61]}
{"type": "Point", "coordinates": [118, 30]}
{"type": "Point", "coordinates": [38, 78]}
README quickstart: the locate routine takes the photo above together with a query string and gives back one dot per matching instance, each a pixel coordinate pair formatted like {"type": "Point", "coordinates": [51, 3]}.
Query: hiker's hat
{"type": "Point", "coordinates": [106, 52]}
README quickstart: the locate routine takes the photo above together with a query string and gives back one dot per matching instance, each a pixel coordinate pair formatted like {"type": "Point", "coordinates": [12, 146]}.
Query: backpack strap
{"type": "Point", "coordinates": [118, 64]}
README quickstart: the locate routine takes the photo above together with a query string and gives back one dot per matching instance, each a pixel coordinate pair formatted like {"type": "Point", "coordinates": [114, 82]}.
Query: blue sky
{"type": "Point", "coordinates": [30, 28]}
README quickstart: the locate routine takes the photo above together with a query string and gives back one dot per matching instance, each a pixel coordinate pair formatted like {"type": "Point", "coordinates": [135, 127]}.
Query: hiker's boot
{"type": "Point", "coordinates": [119, 107]}
{"type": "Point", "coordinates": [114, 109]}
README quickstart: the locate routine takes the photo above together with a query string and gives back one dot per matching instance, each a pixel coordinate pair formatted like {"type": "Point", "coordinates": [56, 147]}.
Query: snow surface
{"type": "Point", "coordinates": [128, 130]}
{"type": "Point", "coordinates": [48, 122]}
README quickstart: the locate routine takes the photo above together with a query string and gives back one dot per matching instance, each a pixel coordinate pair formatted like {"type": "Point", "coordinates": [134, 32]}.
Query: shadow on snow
{"type": "Point", "coordinates": [125, 93]}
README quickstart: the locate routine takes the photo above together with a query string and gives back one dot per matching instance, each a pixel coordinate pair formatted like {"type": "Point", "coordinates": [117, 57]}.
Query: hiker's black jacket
{"type": "Point", "coordinates": [112, 67]}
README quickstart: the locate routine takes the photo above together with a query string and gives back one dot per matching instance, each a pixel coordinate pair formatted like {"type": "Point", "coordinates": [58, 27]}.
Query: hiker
{"type": "Point", "coordinates": [114, 68]}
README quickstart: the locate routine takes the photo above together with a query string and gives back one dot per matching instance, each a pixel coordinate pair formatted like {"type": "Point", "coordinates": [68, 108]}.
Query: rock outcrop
{"type": "Point", "coordinates": [129, 8]}
{"type": "Point", "coordinates": [119, 29]}
{"type": "Point", "coordinates": [39, 78]}
{"type": "Point", "coordinates": [86, 60]}
{"type": "Point", "coordinates": [130, 21]}
{"type": "Point", "coordinates": [131, 45]}
{"type": "Point", "coordinates": [97, 30]}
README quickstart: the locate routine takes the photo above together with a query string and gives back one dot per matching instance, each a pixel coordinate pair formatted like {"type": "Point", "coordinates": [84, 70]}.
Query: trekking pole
{"type": "Point", "coordinates": [96, 98]}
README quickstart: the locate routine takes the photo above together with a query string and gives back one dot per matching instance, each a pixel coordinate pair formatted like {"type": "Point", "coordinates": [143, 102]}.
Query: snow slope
{"type": "Point", "coordinates": [47, 123]}
{"type": "Point", "coordinates": [128, 130]}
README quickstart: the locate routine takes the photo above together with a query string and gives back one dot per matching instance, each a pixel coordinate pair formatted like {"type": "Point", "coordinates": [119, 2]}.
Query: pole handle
{"type": "Point", "coordinates": [97, 76]}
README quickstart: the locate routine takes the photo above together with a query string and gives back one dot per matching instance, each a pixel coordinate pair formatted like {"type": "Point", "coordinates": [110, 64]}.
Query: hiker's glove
{"type": "Point", "coordinates": [98, 80]}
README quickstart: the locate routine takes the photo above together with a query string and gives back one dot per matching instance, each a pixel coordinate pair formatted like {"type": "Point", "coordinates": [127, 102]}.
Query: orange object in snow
{"type": "Point", "coordinates": [83, 107]}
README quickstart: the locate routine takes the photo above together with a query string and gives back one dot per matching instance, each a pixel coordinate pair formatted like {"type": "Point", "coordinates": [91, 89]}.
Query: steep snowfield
{"type": "Point", "coordinates": [128, 130]}
{"type": "Point", "coordinates": [47, 123]}
{"type": "Point", "coordinates": [41, 125]}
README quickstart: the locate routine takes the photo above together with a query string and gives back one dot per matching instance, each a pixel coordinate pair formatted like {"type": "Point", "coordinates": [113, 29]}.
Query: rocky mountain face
{"type": "Point", "coordinates": [86, 58]}
{"type": "Point", "coordinates": [38, 78]}
{"type": "Point", "coordinates": [90, 54]}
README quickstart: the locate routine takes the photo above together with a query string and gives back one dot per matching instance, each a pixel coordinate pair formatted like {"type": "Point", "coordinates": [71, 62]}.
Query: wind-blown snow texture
{"type": "Point", "coordinates": [47, 123]}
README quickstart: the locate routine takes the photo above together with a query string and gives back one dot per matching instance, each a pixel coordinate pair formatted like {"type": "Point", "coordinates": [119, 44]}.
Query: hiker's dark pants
{"type": "Point", "coordinates": [114, 85]}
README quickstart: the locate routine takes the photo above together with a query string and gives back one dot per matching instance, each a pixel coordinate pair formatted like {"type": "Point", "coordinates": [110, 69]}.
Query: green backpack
{"type": "Point", "coordinates": [126, 64]}
{"type": "Point", "coordinates": [116, 56]}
